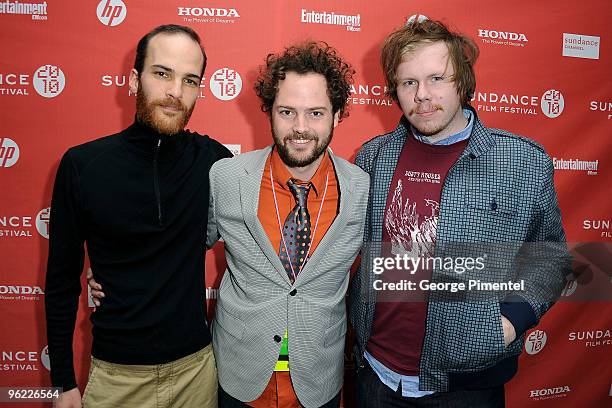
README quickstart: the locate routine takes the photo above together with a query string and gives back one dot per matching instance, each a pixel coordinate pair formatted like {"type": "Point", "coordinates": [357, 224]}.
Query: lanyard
{"type": "Point", "coordinates": [280, 227]}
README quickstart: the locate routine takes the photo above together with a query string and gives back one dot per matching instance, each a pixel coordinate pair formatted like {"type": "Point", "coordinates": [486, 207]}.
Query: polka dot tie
{"type": "Point", "coordinates": [296, 230]}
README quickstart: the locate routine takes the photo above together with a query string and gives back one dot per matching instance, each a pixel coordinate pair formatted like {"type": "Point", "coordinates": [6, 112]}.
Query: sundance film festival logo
{"type": "Point", "coordinates": [535, 342]}
{"type": "Point", "coordinates": [548, 393]}
{"type": "Point", "coordinates": [591, 338]}
{"type": "Point", "coordinates": [111, 12]}
{"type": "Point", "coordinates": [38, 11]}
{"type": "Point", "coordinates": [18, 226]}
{"type": "Point", "coordinates": [601, 106]}
{"type": "Point", "coordinates": [22, 360]}
{"type": "Point", "coordinates": [42, 222]}
{"type": "Point", "coordinates": [20, 292]}
{"type": "Point", "coordinates": [364, 94]}
{"type": "Point", "coordinates": [49, 81]}
{"type": "Point", "coordinates": [552, 103]}
{"type": "Point", "coordinates": [225, 84]}
{"type": "Point", "coordinates": [208, 15]}
{"type": "Point", "coordinates": [602, 225]}
{"type": "Point", "coordinates": [505, 38]}
{"type": "Point", "coordinates": [9, 152]}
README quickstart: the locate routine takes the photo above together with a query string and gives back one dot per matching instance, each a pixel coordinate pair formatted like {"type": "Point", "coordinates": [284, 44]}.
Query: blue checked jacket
{"type": "Point", "coordinates": [500, 191]}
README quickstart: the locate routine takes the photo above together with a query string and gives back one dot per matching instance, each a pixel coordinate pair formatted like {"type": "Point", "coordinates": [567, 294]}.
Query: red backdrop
{"type": "Point", "coordinates": [543, 72]}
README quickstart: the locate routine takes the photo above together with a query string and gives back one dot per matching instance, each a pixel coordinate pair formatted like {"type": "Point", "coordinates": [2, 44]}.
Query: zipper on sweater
{"type": "Point", "coordinates": [156, 182]}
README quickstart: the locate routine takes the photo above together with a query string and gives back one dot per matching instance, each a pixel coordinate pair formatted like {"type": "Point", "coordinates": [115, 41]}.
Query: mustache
{"type": "Point", "coordinates": [299, 136]}
{"type": "Point", "coordinates": [170, 102]}
{"type": "Point", "coordinates": [427, 108]}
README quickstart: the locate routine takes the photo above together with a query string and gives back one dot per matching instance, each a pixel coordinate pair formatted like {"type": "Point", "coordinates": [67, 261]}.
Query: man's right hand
{"type": "Point", "coordinates": [69, 399]}
{"type": "Point", "coordinates": [96, 289]}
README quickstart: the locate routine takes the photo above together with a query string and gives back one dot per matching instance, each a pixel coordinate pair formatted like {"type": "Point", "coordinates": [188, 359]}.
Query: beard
{"type": "Point", "coordinates": [148, 113]}
{"type": "Point", "coordinates": [292, 160]}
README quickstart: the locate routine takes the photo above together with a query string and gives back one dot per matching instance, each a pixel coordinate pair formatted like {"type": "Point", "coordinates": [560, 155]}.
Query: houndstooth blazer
{"type": "Point", "coordinates": [500, 191]}
{"type": "Point", "coordinates": [257, 301]}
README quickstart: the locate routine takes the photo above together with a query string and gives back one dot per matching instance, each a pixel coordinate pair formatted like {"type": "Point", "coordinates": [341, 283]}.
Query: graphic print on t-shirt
{"type": "Point", "coordinates": [412, 232]}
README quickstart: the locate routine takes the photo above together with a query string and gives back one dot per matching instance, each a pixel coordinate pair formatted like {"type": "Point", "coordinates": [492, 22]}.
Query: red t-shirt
{"type": "Point", "coordinates": [410, 224]}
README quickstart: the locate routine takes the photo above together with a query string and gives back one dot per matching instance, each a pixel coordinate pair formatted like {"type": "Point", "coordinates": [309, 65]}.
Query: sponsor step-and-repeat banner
{"type": "Point", "coordinates": [543, 72]}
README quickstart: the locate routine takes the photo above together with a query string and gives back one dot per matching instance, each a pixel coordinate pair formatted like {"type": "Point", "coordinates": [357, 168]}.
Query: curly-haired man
{"type": "Point", "coordinates": [292, 218]}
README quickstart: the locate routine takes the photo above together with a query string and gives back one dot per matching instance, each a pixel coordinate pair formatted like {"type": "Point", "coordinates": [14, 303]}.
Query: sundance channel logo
{"type": "Point", "coordinates": [23, 226]}
{"type": "Point", "coordinates": [225, 84]}
{"type": "Point", "coordinates": [119, 81]}
{"type": "Point", "coordinates": [535, 342]}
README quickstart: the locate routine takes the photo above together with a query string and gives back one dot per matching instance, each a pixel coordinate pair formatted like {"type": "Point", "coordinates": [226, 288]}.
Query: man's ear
{"type": "Point", "coordinates": [336, 118]}
{"type": "Point", "coordinates": [134, 81]}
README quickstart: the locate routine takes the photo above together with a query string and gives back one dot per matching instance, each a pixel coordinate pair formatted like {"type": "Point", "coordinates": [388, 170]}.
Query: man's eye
{"type": "Point", "coordinates": [191, 82]}
{"type": "Point", "coordinates": [317, 114]}
{"type": "Point", "coordinates": [285, 112]}
{"type": "Point", "coordinates": [438, 78]}
{"type": "Point", "coordinates": [409, 82]}
{"type": "Point", "coordinates": [161, 74]}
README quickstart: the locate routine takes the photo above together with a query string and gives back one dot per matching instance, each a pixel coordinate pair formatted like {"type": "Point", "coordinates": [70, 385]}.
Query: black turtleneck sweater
{"type": "Point", "coordinates": [139, 200]}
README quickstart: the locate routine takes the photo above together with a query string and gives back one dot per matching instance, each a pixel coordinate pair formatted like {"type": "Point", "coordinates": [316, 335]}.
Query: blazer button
{"type": "Point", "coordinates": [472, 156]}
{"type": "Point", "coordinates": [277, 338]}
{"type": "Point", "coordinates": [293, 292]}
{"type": "Point", "coordinates": [494, 206]}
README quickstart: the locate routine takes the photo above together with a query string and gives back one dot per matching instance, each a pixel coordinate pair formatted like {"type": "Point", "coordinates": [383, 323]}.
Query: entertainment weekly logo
{"type": "Point", "coordinates": [24, 360]}
{"type": "Point", "coordinates": [20, 292]}
{"type": "Point", "coordinates": [23, 226]}
{"type": "Point", "coordinates": [551, 103]}
{"type": "Point", "coordinates": [574, 165]}
{"type": "Point", "coordinates": [37, 10]}
{"type": "Point", "coordinates": [367, 94]}
{"type": "Point", "coordinates": [591, 338]}
{"type": "Point", "coordinates": [549, 393]}
{"type": "Point", "coordinates": [118, 81]}
{"type": "Point", "coordinates": [209, 15]}
{"type": "Point", "coordinates": [48, 81]}
{"type": "Point", "coordinates": [9, 152]}
{"type": "Point", "coordinates": [503, 38]}
{"type": "Point", "coordinates": [352, 22]}
{"type": "Point", "coordinates": [580, 46]}
{"type": "Point", "coordinates": [111, 12]}
{"type": "Point", "coordinates": [535, 342]}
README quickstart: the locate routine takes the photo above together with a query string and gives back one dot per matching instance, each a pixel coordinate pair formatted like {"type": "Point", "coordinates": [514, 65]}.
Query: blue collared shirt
{"type": "Point", "coordinates": [410, 383]}
{"type": "Point", "coordinates": [452, 139]}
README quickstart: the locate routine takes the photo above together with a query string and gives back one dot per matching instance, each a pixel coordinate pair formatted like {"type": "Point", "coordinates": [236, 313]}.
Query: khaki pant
{"type": "Point", "coordinates": [187, 382]}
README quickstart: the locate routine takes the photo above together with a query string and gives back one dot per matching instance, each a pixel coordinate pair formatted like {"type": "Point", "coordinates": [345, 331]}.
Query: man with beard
{"type": "Point", "coordinates": [139, 199]}
{"type": "Point", "coordinates": [445, 186]}
{"type": "Point", "coordinates": [291, 216]}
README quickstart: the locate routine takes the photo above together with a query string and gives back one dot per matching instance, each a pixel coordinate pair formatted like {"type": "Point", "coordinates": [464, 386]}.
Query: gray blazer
{"type": "Point", "coordinates": [257, 301]}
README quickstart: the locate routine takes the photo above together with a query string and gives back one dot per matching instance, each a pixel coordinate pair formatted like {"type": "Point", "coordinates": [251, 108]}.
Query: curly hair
{"type": "Point", "coordinates": [462, 50]}
{"type": "Point", "coordinates": [310, 57]}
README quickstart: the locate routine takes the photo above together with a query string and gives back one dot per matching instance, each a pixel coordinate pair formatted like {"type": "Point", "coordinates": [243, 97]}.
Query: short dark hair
{"type": "Point", "coordinates": [310, 57]}
{"type": "Point", "coordinates": [462, 50]}
{"type": "Point", "coordinates": [143, 44]}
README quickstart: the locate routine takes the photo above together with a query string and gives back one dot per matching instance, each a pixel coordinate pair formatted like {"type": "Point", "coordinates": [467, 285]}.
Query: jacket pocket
{"type": "Point", "coordinates": [474, 340]}
{"type": "Point", "coordinates": [229, 323]}
{"type": "Point", "coordinates": [492, 203]}
{"type": "Point", "coordinates": [335, 333]}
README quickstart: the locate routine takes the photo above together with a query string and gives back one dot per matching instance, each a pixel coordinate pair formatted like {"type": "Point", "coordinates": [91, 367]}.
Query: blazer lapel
{"type": "Point", "coordinates": [346, 203]}
{"type": "Point", "coordinates": [250, 186]}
